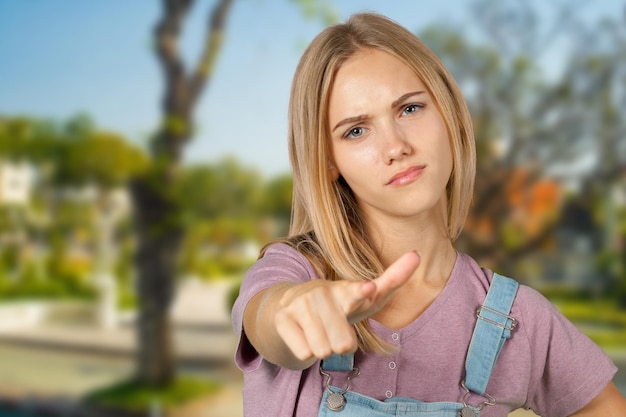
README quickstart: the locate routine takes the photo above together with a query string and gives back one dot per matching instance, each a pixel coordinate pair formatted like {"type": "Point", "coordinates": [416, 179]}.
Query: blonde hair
{"type": "Point", "coordinates": [326, 225]}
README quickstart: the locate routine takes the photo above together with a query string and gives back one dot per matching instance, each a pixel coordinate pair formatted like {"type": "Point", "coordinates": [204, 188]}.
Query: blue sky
{"type": "Point", "coordinates": [62, 57]}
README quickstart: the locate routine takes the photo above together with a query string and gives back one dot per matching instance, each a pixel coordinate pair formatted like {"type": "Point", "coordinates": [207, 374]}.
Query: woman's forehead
{"type": "Point", "coordinates": [370, 78]}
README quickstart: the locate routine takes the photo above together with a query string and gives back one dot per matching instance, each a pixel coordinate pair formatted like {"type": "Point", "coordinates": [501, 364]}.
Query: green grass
{"type": "Point", "coordinates": [132, 396]}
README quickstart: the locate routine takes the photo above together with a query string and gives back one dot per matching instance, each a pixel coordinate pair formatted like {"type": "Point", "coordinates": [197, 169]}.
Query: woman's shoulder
{"type": "Point", "coordinates": [278, 263]}
{"type": "Point", "coordinates": [528, 303]}
{"type": "Point", "coordinates": [284, 259]}
{"type": "Point", "coordinates": [532, 302]}
{"type": "Point", "coordinates": [280, 249]}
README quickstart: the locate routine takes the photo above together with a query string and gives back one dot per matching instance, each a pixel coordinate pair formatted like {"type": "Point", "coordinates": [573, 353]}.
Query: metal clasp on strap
{"type": "Point", "coordinates": [508, 318]}
{"type": "Point", "coordinates": [336, 400]}
{"type": "Point", "coordinates": [490, 400]}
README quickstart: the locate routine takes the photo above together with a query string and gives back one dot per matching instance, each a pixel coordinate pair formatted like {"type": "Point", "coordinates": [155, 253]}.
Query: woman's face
{"type": "Point", "coordinates": [388, 139]}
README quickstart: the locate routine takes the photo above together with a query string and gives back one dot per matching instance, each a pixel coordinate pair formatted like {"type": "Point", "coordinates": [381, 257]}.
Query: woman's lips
{"type": "Point", "coordinates": [407, 176]}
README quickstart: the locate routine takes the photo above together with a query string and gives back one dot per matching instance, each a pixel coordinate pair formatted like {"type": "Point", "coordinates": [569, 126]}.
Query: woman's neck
{"type": "Point", "coordinates": [428, 238]}
{"type": "Point", "coordinates": [438, 257]}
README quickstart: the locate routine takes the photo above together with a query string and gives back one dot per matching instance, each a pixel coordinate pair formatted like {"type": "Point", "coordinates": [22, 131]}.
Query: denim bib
{"type": "Point", "coordinates": [493, 328]}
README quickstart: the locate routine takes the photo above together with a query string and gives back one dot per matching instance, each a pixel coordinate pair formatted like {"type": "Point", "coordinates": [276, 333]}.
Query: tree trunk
{"type": "Point", "coordinates": [157, 208]}
{"type": "Point", "coordinates": [158, 242]}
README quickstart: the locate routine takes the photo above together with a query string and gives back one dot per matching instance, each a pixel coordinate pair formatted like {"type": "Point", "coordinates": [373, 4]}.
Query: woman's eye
{"type": "Point", "coordinates": [411, 108]}
{"type": "Point", "coordinates": [355, 132]}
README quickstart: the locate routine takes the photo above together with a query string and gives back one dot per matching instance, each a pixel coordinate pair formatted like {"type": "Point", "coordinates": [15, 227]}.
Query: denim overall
{"type": "Point", "coordinates": [493, 327]}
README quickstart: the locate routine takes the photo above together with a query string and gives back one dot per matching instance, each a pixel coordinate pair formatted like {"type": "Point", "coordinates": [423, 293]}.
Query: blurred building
{"type": "Point", "coordinates": [16, 183]}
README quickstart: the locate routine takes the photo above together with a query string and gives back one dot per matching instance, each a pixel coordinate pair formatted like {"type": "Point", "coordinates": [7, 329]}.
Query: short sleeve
{"type": "Point", "coordinates": [568, 370]}
{"type": "Point", "coordinates": [280, 263]}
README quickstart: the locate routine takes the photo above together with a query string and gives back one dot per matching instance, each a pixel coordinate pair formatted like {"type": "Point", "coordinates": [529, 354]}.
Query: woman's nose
{"type": "Point", "coordinates": [396, 145]}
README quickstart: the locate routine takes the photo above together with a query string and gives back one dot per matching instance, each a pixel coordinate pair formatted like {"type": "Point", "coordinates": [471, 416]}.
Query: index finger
{"type": "Point", "coordinates": [395, 275]}
{"type": "Point", "coordinates": [375, 293]}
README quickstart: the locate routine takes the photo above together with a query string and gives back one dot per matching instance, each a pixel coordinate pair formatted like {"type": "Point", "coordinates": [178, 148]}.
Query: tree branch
{"type": "Point", "coordinates": [213, 45]}
{"type": "Point", "coordinates": [167, 32]}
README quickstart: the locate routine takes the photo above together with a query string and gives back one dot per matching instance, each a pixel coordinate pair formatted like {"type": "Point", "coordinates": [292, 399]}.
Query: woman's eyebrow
{"type": "Point", "coordinates": [350, 120]}
{"type": "Point", "coordinates": [405, 96]}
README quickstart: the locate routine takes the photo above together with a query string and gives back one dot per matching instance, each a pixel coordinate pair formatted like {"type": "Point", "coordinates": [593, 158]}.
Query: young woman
{"type": "Point", "coordinates": [366, 309]}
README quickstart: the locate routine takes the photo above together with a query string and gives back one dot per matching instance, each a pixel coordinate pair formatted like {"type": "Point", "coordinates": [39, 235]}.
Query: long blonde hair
{"type": "Point", "coordinates": [326, 224]}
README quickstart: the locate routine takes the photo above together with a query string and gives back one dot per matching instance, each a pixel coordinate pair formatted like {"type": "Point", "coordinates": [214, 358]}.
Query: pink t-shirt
{"type": "Point", "coordinates": [547, 365]}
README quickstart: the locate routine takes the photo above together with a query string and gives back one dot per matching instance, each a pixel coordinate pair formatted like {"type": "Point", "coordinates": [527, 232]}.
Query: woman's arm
{"type": "Point", "coordinates": [610, 402]}
{"type": "Point", "coordinates": [293, 325]}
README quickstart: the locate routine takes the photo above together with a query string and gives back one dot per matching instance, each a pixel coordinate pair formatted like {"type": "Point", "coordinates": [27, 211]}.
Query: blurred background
{"type": "Point", "coordinates": [143, 163]}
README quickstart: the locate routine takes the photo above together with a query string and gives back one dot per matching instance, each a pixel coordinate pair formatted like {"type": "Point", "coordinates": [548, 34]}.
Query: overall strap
{"type": "Point", "coordinates": [337, 362]}
{"type": "Point", "coordinates": [493, 327]}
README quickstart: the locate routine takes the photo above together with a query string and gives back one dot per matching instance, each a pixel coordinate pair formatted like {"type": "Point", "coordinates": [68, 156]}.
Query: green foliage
{"type": "Point", "coordinates": [226, 265]}
{"type": "Point", "coordinates": [208, 191]}
{"type": "Point", "coordinates": [278, 196]}
{"type": "Point", "coordinates": [130, 395]}
{"type": "Point", "coordinates": [78, 126]}
{"type": "Point", "coordinates": [26, 272]}
{"type": "Point", "coordinates": [15, 138]}
{"type": "Point", "coordinates": [213, 248]}
{"type": "Point", "coordinates": [31, 286]}
{"type": "Point", "coordinates": [175, 125]}
{"type": "Point", "coordinates": [77, 153]}
{"type": "Point", "coordinates": [100, 158]}
{"type": "Point", "coordinates": [228, 207]}
{"type": "Point", "coordinates": [10, 257]}
{"type": "Point", "coordinates": [228, 190]}
{"type": "Point", "coordinates": [57, 289]}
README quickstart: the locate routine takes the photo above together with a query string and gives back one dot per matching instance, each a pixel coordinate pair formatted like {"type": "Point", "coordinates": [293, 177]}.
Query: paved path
{"type": "Point", "coordinates": [54, 365]}
{"type": "Point", "coordinates": [202, 331]}
{"type": "Point", "coordinates": [193, 344]}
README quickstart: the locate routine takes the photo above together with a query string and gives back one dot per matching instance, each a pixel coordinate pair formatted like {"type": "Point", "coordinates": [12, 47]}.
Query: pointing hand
{"type": "Point", "coordinates": [315, 319]}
